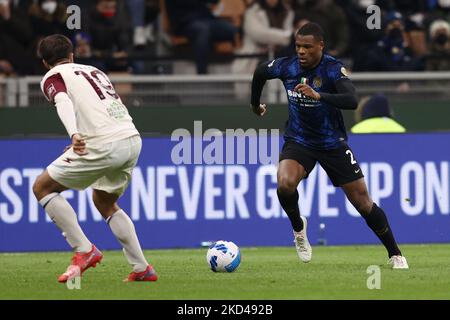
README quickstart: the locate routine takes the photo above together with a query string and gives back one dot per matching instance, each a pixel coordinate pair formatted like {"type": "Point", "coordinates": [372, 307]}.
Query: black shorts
{"type": "Point", "coordinates": [339, 164]}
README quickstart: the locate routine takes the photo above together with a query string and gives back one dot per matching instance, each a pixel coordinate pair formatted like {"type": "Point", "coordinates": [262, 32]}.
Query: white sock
{"type": "Point", "coordinates": [63, 215]}
{"type": "Point", "coordinates": [123, 228]}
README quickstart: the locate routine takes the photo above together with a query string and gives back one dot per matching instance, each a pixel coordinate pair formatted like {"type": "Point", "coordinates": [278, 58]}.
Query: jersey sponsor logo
{"type": "Point", "coordinates": [295, 94]}
{"type": "Point", "coordinates": [301, 99]}
{"type": "Point", "coordinates": [117, 111]}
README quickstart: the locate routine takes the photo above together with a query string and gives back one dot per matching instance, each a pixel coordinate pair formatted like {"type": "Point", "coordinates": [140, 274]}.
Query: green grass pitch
{"type": "Point", "coordinates": [264, 273]}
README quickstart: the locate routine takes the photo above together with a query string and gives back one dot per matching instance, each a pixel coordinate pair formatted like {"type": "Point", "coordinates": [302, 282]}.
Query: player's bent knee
{"type": "Point", "coordinates": [45, 185]}
{"type": "Point", "coordinates": [364, 206]}
{"type": "Point", "coordinates": [38, 187]}
{"type": "Point", "coordinates": [358, 195]}
{"type": "Point", "coordinates": [105, 209]}
{"type": "Point", "coordinates": [104, 204]}
{"type": "Point", "coordinates": [286, 185]}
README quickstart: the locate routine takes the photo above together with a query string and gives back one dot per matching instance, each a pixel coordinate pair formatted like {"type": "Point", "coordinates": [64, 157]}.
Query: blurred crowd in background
{"type": "Point", "coordinates": [134, 36]}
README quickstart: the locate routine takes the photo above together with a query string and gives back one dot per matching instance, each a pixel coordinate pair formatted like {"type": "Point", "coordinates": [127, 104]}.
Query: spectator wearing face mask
{"type": "Point", "coordinates": [414, 16]}
{"type": "Point", "coordinates": [439, 10]}
{"type": "Point", "coordinates": [439, 46]}
{"type": "Point", "coordinates": [48, 17]}
{"type": "Point", "coordinates": [15, 37]}
{"type": "Point", "coordinates": [109, 28]}
{"type": "Point", "coordinates": [392, 52]}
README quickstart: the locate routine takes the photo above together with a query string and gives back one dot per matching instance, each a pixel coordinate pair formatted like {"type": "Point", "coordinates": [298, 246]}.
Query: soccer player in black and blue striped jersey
{"type": "Point", "coordinates": [318, 87]}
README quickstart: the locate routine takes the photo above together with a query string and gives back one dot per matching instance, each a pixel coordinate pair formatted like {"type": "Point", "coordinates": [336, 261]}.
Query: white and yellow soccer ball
{"type": "Point", "coordinates": [223, 256]}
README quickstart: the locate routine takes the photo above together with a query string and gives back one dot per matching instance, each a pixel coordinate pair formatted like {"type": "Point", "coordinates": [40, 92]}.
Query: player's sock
{"type": "Point", "coordinates": [289, 202]}
{"type": "Point", "coordinates": [123, 228]}
{"type": "Point", "coordinates": [63, 215]}
{"type": "Point", "coordinates": [377, 221]}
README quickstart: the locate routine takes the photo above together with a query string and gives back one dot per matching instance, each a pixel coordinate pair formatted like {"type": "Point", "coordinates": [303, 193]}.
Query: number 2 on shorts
{"type": "Point", "coordinates": [352, 158]}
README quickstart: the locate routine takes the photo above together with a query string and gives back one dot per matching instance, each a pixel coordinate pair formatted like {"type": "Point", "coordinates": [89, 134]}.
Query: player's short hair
{"type": "Point", "coordinates": [55, 48]}
{"type": "Point", "coordinates": [311, 29]}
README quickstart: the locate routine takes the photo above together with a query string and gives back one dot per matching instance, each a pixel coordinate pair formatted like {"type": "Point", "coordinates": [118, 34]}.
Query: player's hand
{"type": "Point", "coordinates": [260, 110]}
{"type": "Point", "coordinates": [307, 91]}
{"type": "Point", "coordinates": [79, 144]}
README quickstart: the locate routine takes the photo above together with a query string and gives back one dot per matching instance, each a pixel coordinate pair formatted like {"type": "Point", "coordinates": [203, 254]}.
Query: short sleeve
{"type": "Point", "coordinates": [52, 86]}
{"type": "Point", "coordinates": [337, 71]}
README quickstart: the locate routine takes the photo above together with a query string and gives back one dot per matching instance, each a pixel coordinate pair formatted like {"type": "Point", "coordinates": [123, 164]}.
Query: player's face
{"type": "Point", "coordinates": [309, 50]}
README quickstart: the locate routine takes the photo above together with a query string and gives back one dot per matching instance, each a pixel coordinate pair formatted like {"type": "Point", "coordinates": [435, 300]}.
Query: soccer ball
{"type": "Point", "coordinates": [223, 256]}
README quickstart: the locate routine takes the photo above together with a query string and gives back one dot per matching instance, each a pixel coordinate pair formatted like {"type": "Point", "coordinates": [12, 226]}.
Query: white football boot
{"type": "Point", "coordinates": [302, 245]}
{"type": "Point", "coordinates": [398, 262]}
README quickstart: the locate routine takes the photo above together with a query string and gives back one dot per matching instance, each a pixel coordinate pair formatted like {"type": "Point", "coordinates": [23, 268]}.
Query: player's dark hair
{"type": "Point", "coordinates": [55, 48]}
{"type": "Point", "coordinates": [311, 29]}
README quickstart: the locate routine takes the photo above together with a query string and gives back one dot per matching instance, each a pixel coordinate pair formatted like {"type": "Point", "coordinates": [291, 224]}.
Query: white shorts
{"type": "Point", "coordinates": [106, 167]}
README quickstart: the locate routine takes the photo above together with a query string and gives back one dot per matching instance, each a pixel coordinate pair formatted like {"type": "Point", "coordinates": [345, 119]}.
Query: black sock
{"type": "Point", "coordinates": [377, 221]}
{"type": "Point", "coordinates": [289, 202]}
